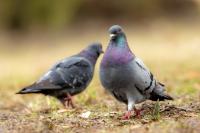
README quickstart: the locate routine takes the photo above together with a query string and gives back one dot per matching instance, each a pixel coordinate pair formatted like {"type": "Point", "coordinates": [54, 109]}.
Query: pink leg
{"type": "Point", "coordinates": [138, 112]}
{"type": "Point", "coordinates": [127, 115]}
{"type": "Point", "coordinates": [69, 101]}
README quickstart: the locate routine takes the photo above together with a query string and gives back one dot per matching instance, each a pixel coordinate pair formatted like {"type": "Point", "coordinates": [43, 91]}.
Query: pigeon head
{"type": "Point", "coordinates": [116, 32]}
{"type": "Point", "coordinates": [117, 35]}
{"type": "Point", "coordinates": [92, 52]}
{"type": "Point", "coordinates": [95, 48]}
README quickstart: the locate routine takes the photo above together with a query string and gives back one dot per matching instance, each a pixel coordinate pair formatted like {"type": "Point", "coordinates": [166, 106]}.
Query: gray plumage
{"type": "Point", "coordinates": [125, 76]}
{"type": "Point", "coordinates": [68, 77]}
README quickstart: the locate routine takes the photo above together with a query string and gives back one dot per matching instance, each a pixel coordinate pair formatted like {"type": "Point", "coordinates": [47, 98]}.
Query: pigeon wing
{"type": "Point", "coordinates": [144, 81]}
{"type": "Point", "coordinates": [69, 73]}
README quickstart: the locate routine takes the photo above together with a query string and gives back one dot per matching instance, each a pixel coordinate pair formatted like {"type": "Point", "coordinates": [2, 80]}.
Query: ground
{"type": "Point", "coordinates": [170, 51]}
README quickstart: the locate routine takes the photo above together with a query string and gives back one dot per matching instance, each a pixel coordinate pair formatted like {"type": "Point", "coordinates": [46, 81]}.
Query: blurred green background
{"type": "Point", "coordinates": [58, 14]}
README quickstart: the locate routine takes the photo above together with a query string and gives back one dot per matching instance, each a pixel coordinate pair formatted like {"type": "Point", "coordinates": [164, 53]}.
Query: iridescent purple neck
{"type": "Point", "coordinates": [117, 54]}
{"type": "Point", "coordinates": [91, 56]}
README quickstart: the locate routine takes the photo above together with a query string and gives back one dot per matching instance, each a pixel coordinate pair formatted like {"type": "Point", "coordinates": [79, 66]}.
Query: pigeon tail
{"type": "Point", "coordinates": [39, 88]}
{"type": "Point", "coordinates": [158, 93]}
{"type": "Point", "coordinates": [29, 89]}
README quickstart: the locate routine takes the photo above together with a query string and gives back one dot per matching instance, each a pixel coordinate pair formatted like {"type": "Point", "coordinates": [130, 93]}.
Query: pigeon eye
{"type": "Point", "coordinates": [115, 32]}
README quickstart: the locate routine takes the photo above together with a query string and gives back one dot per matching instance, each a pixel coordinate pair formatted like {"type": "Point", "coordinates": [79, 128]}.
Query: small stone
{"type": "Point", "coordinates": [85, 114]}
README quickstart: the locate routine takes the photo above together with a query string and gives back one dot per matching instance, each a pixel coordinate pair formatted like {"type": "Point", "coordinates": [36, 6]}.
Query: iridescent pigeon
{"type": "Point", "coordinates": [126, 77]}
{"type": "Point", "coordinates": [68, 77]}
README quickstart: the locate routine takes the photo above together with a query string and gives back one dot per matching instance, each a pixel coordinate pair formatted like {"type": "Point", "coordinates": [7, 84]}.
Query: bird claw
{"type": "Point", "coordinates": [138, 113]}
{"type": "Point", "coordinates": [69, 101]}
{"type": "Point", "coordinates": [127, 115]}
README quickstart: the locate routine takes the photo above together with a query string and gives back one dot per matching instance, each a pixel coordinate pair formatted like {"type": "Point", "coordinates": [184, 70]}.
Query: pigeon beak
{"type": "Point", "coordinates": [112, 35]}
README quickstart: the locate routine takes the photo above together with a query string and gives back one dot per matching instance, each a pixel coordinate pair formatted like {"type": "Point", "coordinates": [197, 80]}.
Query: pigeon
{"type": "Point", "coordinates": [126, 77]}
{"type": "Point", "coordinates": [68, 77]}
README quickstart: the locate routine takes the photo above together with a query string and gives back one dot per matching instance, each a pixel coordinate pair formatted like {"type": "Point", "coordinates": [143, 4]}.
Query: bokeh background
{"type": "Point", "coordinates": [59, 14]}
{"type": "Point", "coordinates": [34, 34]}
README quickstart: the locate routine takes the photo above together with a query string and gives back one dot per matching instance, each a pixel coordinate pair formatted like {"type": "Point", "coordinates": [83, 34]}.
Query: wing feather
{"type": "Point", "coordinates": [69, 73]}
{"type": "Point", "coordinates": [145, 81]}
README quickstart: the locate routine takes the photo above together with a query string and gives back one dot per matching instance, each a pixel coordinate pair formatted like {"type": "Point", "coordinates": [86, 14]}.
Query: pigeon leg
{"type": "Point", "coordinates": [69, 101]}
{"type": "Point", "coordinates": [138, 112]}
{"type": "Point", "coordinates": [64, 102]}
{"type": "Point", "coordinates": [127, 115]}
{"type": "Point", "coordinates": [130, 107]}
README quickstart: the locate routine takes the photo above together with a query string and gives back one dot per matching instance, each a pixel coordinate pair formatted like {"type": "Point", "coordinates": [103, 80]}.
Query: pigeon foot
{"type": "Point", "coordinates": [127, 115]}
{"type": "Point", "coordinates": [138, 113]}
{"type": "Point", "coordinates": [68, 101]}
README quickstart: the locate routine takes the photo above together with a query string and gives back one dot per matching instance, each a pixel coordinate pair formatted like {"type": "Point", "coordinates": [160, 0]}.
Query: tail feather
{"type": "Point", "coordinates": [161, 97]}
{"type": "Point", "coordinates": [41, 87]}
{"type": "Point", "coordinates": [158, 93]}
{"type": "Point", "coordinates": [29, 89]}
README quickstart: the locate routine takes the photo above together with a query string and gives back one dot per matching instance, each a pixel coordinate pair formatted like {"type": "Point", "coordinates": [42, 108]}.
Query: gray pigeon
{"type": "Point", "coordinates": [126, 77]}
{"type": "Point", "coordinates": [68, 77]}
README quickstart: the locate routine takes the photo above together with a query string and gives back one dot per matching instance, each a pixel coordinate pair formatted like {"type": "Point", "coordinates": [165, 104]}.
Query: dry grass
{"type": "Point", "coordinates": [171, 52]}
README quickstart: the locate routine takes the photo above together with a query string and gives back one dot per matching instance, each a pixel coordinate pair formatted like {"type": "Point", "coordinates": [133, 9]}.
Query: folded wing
{"type": "Point", "coordinates": [71, 73]}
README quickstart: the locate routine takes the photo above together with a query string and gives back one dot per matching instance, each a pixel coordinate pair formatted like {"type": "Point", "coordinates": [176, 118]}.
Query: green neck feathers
{"type": "Point", "coordinates": [121, 40]}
